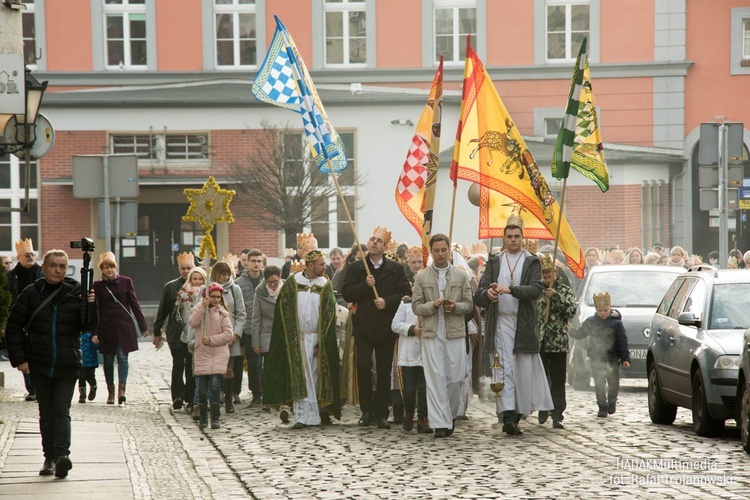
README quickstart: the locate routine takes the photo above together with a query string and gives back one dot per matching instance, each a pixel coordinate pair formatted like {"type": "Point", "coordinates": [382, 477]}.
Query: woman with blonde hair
{"type": "Point", "coordinates": [634, 256]}
{"type": "Point", "coordinates": [119, 314]}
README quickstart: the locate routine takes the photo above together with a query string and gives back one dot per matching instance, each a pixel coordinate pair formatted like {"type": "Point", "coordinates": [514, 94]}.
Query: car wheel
{"type": "Point", "coordinates": [744, 422]}
{"type": "Point", "coordinates": [703, 423]}
{"type": "Point", "coordinates": [659, 410]}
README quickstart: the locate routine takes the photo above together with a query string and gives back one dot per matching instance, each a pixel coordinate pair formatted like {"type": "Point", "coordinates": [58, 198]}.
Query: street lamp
{"type": "Point", "coordinates": [27, 120]}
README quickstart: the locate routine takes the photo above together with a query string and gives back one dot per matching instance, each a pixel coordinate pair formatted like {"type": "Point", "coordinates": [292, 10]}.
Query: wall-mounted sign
{"type": "Point", "coordinates": [12, 84]}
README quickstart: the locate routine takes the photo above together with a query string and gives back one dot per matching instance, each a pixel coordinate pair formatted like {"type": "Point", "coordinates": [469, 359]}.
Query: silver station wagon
{"type": "Point", "coordinates": [694, 355]}
{"type": "Point", "coordinates": [635, 291]}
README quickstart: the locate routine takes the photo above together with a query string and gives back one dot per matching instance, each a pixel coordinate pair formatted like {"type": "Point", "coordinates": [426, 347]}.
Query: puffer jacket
{"type": "Point", "coordinates": [425, 292]}
{"type": "Point", "coordinates": [53, 344]}
{"type": "Point", "coordinates": [236, 306]}
{"type": "Point", "coordinates": [214, 323]}
{"type": "Point", "coordinates": [607, 340]}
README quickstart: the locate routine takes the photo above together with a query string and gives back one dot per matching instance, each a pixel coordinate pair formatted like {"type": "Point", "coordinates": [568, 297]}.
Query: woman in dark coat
{"type": "Point", "coordinates": [116, 334]}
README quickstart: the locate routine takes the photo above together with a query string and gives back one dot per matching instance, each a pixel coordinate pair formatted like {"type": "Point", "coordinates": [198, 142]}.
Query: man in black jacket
{"type": "Point", "coordinates": [44, 340]}
{"type": "Point", "coordinates": [508, 290]}
{"type": "Point", "coordinates": [183, 389]}
{"type": "Point", "coordinates": [372, 323]}
{"type": "Point", "coordinates": [26, 272]}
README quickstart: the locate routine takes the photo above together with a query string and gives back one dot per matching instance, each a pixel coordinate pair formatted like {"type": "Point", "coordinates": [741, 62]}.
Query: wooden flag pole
{"type": "Point", "coordinates": [557, 236]}
{"type": "Point", "coordinates": [453, 210]}
{"type": "Point", "coordinates": [351, 223]}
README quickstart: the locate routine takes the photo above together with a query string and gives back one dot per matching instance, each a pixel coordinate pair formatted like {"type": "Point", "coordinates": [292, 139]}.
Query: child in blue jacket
{"type": "Point", "coordinates": [90, 362]}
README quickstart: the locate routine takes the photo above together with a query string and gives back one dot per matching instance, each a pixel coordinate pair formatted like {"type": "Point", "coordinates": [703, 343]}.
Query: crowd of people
{"type": "Point", "coordinates": [372, 327]}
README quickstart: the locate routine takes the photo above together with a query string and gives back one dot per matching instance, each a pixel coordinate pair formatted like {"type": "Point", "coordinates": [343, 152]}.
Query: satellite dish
{"type": "Point", "coordinates": [45, 136]}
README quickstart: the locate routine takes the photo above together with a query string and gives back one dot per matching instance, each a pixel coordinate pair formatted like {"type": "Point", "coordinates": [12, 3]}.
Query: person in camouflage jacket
{"type": "Point", "coordinates": [553, 336]}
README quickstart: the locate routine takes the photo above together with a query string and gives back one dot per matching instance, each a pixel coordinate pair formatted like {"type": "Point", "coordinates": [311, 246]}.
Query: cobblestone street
{"type": "Point", "coordinates": [255, 455]}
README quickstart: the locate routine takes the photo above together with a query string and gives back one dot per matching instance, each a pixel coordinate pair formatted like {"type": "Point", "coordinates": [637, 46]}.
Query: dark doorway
{"type": "Point", "coordinates": [150, 259]}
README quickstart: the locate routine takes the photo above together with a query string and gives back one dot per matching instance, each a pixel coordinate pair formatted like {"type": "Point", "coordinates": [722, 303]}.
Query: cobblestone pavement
{"type": "Point", "coordinates": [255, 455]}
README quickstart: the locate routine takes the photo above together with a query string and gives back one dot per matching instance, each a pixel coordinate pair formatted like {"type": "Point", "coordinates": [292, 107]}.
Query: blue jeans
{"type": "Point", "coordinates": [209, 388]}
{"type": "Point", "coordinates": [122, 367]}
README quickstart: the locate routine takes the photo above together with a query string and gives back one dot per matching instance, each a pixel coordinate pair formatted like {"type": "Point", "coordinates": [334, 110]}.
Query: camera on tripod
{"type": "Point", "coordinates": [85, 244]}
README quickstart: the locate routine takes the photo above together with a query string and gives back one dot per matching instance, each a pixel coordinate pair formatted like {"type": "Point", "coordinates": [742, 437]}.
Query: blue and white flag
{"type": "Point", "coordinates": [283, 80]}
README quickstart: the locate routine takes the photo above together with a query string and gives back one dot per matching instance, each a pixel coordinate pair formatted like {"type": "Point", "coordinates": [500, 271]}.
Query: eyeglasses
{"type": "Point", "coordinates": [273, 282]}
{"type": "Point", "coordinates": [215, 296]}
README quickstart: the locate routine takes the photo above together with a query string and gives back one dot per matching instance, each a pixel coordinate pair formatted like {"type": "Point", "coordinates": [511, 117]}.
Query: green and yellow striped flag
{"type": "Point", "coordinates": [579, 142]}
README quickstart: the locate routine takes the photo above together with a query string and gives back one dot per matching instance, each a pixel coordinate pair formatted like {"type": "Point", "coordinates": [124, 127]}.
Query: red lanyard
{"type": "Point", "coordinates": [514, 266]}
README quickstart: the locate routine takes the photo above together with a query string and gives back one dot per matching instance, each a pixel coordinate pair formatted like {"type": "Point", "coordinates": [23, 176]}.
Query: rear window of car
{"type": "Point", "coordinates": [730, 307]}
{"type": "Point", "coordinates": [630, 288]}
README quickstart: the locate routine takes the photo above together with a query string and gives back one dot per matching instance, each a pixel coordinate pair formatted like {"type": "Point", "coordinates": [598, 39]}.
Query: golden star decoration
{"type": "Point", "coordinates": [209, 205]}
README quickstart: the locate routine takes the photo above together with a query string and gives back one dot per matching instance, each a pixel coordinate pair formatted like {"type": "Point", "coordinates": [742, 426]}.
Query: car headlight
{"type": "Point", "coordinates": [727, 363]}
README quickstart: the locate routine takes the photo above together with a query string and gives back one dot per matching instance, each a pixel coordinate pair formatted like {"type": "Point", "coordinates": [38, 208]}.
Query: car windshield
{"type": "Point", "coordinates": [730, 307]}
{"type": "Point", "coordinates": [630, 288]}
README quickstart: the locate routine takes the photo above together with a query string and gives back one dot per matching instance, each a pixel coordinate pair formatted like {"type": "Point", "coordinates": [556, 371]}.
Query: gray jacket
{"type": "Point", "coordinates": [530, 289]}
{"type": "Point", "coordinates": [248, 295]}
{"type": "Point", "coordinates": [425, 292]}
{"type": "Point", "coordinates": [262, 318]}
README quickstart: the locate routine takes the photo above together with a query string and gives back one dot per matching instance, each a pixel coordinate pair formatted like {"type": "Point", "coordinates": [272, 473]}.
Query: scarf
{"type": "Point", "coordinates": [274, 293]}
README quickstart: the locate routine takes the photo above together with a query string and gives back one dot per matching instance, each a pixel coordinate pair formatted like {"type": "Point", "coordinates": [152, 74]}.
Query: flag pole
{"type": "Point", "coordinates": [453, 210]}
{"type": "Point", "coordinates": [557, 236]}
{"type": "Point", "coordinates": [351, 223]}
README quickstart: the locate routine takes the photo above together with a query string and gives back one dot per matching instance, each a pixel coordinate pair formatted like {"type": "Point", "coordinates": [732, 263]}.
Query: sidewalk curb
{"type": "Point", "coordinates": [7, 436]}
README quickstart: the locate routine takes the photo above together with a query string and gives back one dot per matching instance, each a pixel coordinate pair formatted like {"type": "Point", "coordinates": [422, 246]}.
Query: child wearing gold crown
{"type": "Point", "coordinates": [607, 349]}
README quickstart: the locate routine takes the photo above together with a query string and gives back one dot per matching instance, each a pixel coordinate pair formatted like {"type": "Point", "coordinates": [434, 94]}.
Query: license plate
{"type": "Point", "coordinates": [638, 354]}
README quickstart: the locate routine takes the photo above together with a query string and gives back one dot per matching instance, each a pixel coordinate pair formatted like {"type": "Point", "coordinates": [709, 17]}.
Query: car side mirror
{"type": "Point", "coordinates": [688, 319]}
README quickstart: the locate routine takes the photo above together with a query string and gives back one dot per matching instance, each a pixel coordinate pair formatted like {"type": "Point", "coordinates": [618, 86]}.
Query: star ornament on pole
{"type": "Point", "coordinates": [209, 205]}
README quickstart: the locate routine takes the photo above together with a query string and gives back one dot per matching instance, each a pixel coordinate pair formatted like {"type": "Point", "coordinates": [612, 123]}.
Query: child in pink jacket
{"type": "Point", "coordinates": [211, 333]}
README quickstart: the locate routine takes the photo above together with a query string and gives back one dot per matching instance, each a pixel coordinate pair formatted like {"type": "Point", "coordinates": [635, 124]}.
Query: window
{"type": "Point", "coordinates": [454, 20]}
{"type": "Point", "coordinates": [15, 226]}
{"type": "Point", "coordinates": [328, 219]}
{"type": "Point", "coordinates": [236, 35]}
{"type": "Point", "coordinates": [345, 33]}
{"type": "Point", "coordinates": [552, 127]}
{"type": "Point", "coordinates": [740, 41]}
{"type": "Point", "coordinates": [567, 25]}
{"type": "Point", "coordinates": [125, 25]}
{"type": "Point", "coordinates": [29, 34]}
{"type": "Point", "coordinates": [162, 148]}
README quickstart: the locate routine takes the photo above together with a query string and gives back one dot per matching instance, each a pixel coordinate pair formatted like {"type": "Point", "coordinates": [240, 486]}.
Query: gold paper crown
{"type": "Point", "coordinates": [24, 246]}
{"type": "Point", "coordinates": [548, 264]}
{"type": "Point", "coordinates": [232, 260]}
{"type": "Point", "coordinates": [314, 255]}
{"type": "Point", "coordinates": [414, 251]}
{"type": "Point", "coordinates": [392, 246]}
{"type": "Point", "coordinates": [384, 233]}
{"type": "Point", "coordinates": [478, 248]}
{"type": "Point", "coordinates": [458, 247]}
{"type": "Point", "coordinates": [515, 220]}
{"type": "Point", "coordinates": [107, 257]}
{"type": "Point", "coordinates": [296, 266]}
{"type": "Point", "coordinates": [304, 238]}
{"type": "Point", "coordinates": [185, 258]}
{"type": "Point", "coordinates": [602, 299]}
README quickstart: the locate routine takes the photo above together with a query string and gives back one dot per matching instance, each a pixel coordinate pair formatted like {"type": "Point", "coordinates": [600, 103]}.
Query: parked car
{"type": "Point", "coordinates": [743, 393]}
{"type": "Point", "coordinates": [693, 358]}
{"type": "Point", "coordinates": [635, 291]}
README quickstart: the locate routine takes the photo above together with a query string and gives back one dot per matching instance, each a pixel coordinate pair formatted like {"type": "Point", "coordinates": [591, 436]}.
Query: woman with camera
{"type": "Point", "coordinates": [120, 316]}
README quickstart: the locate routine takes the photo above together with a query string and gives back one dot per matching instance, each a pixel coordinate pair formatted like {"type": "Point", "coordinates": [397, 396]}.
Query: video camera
{"type": "Point", "coordinates": [85, 244]}
{"type": "Point", "coordinates": [87, 274]}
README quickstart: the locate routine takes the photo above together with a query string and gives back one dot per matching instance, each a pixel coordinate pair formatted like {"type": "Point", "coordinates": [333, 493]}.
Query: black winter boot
{"type": "Point", "coordinates": [602, 411]}
{"type": "Point", "coordinates": [216, 412]}
{"type": "Point", "coordinates": [228, 396]}
{"type": "Point", "coordinates": [510, 423]}
{"type": "Point", "coordinates": [82, 394]}
{"type": "Point", "coordinates": [398, 414]}
{"type": "Point", "coordinates": [203, 419]}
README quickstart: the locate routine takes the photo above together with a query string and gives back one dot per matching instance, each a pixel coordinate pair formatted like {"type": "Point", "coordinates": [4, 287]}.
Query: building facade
{"type": "Point", "coordinates": [169, 81]}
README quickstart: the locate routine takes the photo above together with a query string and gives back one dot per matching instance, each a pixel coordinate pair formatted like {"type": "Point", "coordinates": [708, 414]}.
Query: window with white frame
{"type": "Point", "coordinates": [345, 32]}
{"type": "Point", "coordinates": [454, 20]}
{"type": "Point", "coordinates": [29, 34]}
{"type": "Point", "coordinates": [567, 23]}
{"type": "Point", "coordinates": [740, 41]}
{"type": "Point", "coordinates": [552, 127]}
{"type": "Point", "coordinates": [171, 148]}
{"type": "Point", "coordinates": [235, 33]}
{"type": "Point", "coordinates": [746, 38]}
{"type": "Point", "coordinates": [125, 33]}
{"type": "Point", "coordinates": [328, 219]}
{"type": "Point", "coordinates": [15, 226]}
